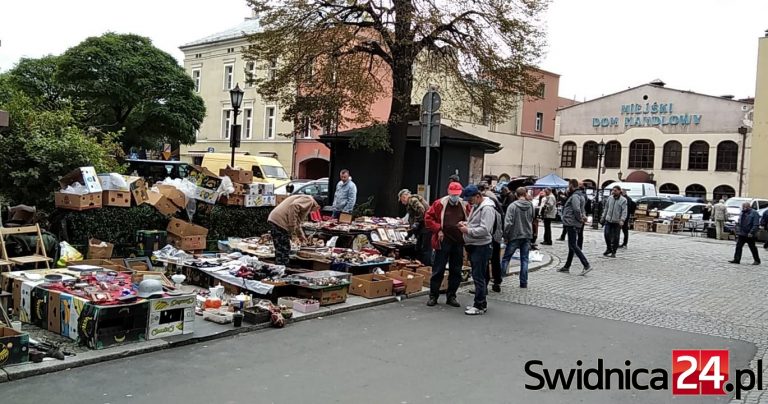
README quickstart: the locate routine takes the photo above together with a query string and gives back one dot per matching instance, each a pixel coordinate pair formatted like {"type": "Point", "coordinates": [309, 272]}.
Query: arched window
{"type": "Point", "coordinates": [673, 152]}
{"type": "Point", "coordinates": [612, 155]}
{"type": "Point", "coordinates": [727, 156]}
{"type": "Point", "coordinates": [568, 156]}
{"type": "Point", "coordinates": [669, 189]}
{"type": "Point", "coordinates": [589, 155]}
{"type": "Point", "coordinates": [606, 183]}
{"type": "Point", "coordinates": [723, 192]}
{"type": "Point", "coordinates": [641, 154]}
{"type": "Point", "coordinates": [698, 155]}
{"type": "Point", "coordinates": [696, 191]}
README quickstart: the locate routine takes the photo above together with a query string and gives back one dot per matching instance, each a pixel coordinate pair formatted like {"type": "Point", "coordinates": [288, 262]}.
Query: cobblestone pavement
{"type": "Point", "coordinates": [677, 282]}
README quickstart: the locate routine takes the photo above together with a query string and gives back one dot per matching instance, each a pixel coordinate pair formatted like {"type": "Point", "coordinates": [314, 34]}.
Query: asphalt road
{"type": "Point", "coordinates": [398, 353]}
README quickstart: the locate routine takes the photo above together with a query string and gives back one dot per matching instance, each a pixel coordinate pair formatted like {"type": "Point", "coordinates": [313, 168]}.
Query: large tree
{"type": "Point", "coordinates": [124, 83]}
{"type": "Point", "coordinates": [484, 48]}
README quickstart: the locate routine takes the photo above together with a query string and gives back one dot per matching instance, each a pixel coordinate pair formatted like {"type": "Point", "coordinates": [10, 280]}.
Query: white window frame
{"type": "Point", "coordinates": [270, 122]}
{"type": "Point", "coordinates": [197, 133]}
{"type": "Point", "coordinates": [271, 69]}
{"type": "Point", "coordinates": [248, 121]}
{"type": "Point", "coordinates": [226, 123]}
{"type": "Point", "coordinates": [198, 79]}
{"type": "Point", "coordinates": [539, 122]}
{"type": "Point", "coordinates": [229, 76]}
{"type": "Point", "coordinates": [308, 129]}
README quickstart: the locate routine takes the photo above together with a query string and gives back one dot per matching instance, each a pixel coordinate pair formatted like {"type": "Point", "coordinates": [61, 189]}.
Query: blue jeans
{"type": "Point", "coordinates": [479, 255]}
{"type": "Point", "coordinates": [453, 255]}
{"type": "Point", "coordinates": [573, 247]}
{"type": "Point", "coordinates": [524, 245]}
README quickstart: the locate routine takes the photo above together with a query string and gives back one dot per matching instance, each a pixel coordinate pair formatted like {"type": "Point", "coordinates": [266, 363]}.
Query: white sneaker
{"type": "Point", "coordinates": [474, 311]}
{"type": "Point", "coordinates": [586, 270]}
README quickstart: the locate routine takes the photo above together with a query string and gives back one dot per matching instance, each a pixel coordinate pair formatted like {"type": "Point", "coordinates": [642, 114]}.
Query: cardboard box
{"type": "Point", "coordinates": [103, 326]}
{"type": "Point", "coordinates": [255, 201]}
{"type": "Point", "coordinates": [259, 188]}
{"type": "Point", "coordinates": [280, 198]}
{"type": "Point", "coordinates": [162, 204]}
{"type": "Point", "coordinates": [345, 218]}
{"type": "Point", "coordinates": [139, 190]}
{"type": "Point", "coordinates": [206, 195]}
{"type": "Point", "coordinates": [232, 200]}
{"type": "Point", "coordinates": [171, 316]}
{"type": "Point", "coordinates": [26, 307]}
{"type": "Point", "coordinates": [203, 208]}
{"type": "Point", "coordinates": [653, 213]}
{"type": "Point", "coordinates": [96, 251]}
{"type": "Point", "coordinates": [239, 189]}
{"type": "Point", "coordinates": [149, 241]}
{"type": "Point", "coordinates": [237, 176]}
{"type": "Point", "coordinates": [427, 273]}
{"type": "Point", "coordinates": [120, 199]}
{"type": "Point", "coordinates": [71, 308]}
{"type": "Point", "coordinates": [77, 202]}
{"type": "Point", "coordinates": [306, 306]}
{"type": "Point", "coordinates": [174, 195]}
{"type": "Point", "coordinates": [664, 228]}
{"type": "Point", "coordinates": [39, 312]}
{"type": "Point", "coordinates": [54, 311]}
{"type": "Point", "coordinates": [370, 286]}
{"type": "Point", "coordinates": [84, 176]}
{"type": "Point", "coordinates": [642, 225]}
{"type": "Point", "coordinates": [326, 296]}
{"type": "Point", "coordinates": [14, 347]}
{"type": "Point", "coordinates": [204, 178]}
{"type": "Point", "coordinates": [188, 243]}
{"type": "Point", "coordinates": [181, 228]}
{"type": "Point", "coordinates": [413, 281]}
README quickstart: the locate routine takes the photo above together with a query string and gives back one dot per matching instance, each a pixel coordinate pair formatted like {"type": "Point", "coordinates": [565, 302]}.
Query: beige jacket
{"type": "Point", "coordinates": [289, 214]}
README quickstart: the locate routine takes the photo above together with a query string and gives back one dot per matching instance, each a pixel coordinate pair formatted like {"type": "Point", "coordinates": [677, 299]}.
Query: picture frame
{"type": "Point", "coordinates": [375, 236]}
{"type": "Point", "coordinates": [383, 234]}
{"type": "Point", "coordinates": [138, 264]}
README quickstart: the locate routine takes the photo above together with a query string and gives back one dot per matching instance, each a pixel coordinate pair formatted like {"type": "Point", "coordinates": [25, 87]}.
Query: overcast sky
{"type": "Point", "coordinates": [598, 46]}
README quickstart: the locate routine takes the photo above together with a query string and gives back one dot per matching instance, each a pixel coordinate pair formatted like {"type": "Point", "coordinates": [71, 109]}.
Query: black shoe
{"type": "Point", "coordinates": [607, 253]}
{"type": "Point", "coordinates": [585, 270]}
{"type": "Point", "coordinates": [534, 248]}
{"type": "Point", "coordinates": [471, 291]}
{"type": "Point", "coordinates": [564, 269]}
{"type": "Point", "coordinates": [561, 239]}
{"type": "Point", "coordinates": [756, 263]}
{"type": "Point", "coordinates": [432, 301]}
{"type": "Point", "coordinates": [523, 286]}
{"type": "Point", "coordinates": [545, 243]}
{"type": "Point", "coordinates": [733, 262]}
{"type": "Point", "coordinates": [613, 255]}
{"type": "Point", "coordinates": [451, 301]}
{"type": "Point", "coordinates": [623, 246]}
{"type": "Point", "coordinates": [496, 288]}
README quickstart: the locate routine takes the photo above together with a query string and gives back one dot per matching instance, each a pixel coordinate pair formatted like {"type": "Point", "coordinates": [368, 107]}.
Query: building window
{"type": "Point", "coordinates": [197, 133]}
{"type": "Point", "coordinates": [641, 153]}
{"type": "Point", "coordinates": [196, 79]}
{"type": "Point", "coordinates": [541, 90]}
{"type": "Point", "coordinates": [307, 129]}
{"type": "Point", "coordinates": [250, 74]}
{"type": "Point", "coordinates": [698, 156]}
{"type": "Point", "coordinates": [695, 191]}
{"type": "Point", "coordinates": [229, 76]}
{"type": "Point", "coordinates": [230, 50]}
{"type": "Point", "coordinates": [226, 123]}
{"type": "Point", "coordinates": [673, 153]}
{"type": "Point", "coordinates": [727, 156]}
{"type": "Point", "coordinates": [272, 69]}
{"type": "Point", "coordinates": [568, 156]}
{"type": "Point", "coordinates": [539, 121]}
{"type": "Point", "coordinates": [612, 155]}
{"type": "Point", "coordinates": [248, 118]}
{"type": "Point", "coordinates": [198, 55]}
{"type": "Point", "coordinates": [668, 188]}
{"type": "Point", "coordinates": [589, 155]}
{"type": "Point", "coordinates": [269, 123]}
{"type": "Point", "coordinates": [723, 192]}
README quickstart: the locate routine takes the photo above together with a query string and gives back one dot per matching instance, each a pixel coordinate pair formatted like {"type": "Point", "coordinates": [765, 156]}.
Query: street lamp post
{"type": "Point", "coordinates": [236, 98]}
{"type": "Point", "coordinates": [599, 192]}
{"type": "Point", "coordinates": [743, 133]}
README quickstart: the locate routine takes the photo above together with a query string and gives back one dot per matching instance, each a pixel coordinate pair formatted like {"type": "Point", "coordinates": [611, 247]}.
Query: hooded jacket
{"type": "Point", "coordinates": [573, 209]}
{"type": "Point", "coordinates": [290, 213]}
{"type": "Point", "coordinates": [481, 223]}
{"type": "Point", "coordinates": [518, 223]}
{"type": "Point", "coordinates": [433, 219]}
{"type": "Point", "coordinates": [615, 210]}
{"type": "Point", "coordinates": [345, 196]}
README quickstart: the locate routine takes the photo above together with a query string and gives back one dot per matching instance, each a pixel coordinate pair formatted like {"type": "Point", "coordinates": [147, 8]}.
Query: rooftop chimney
{"type": "Point", "coordinates": [658, 82]}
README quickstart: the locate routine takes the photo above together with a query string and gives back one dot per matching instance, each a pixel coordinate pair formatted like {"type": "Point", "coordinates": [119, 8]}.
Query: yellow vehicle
{"type": "Point", "coordinates": [265, 169]}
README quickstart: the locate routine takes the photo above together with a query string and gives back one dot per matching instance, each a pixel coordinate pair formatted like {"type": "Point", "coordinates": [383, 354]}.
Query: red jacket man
{"type": "Point", "coordinates": [434, 216]}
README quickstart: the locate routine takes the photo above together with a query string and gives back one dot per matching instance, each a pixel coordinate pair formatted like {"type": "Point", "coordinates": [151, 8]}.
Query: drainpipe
{"type": "Point", "coordinates": [743, 133]}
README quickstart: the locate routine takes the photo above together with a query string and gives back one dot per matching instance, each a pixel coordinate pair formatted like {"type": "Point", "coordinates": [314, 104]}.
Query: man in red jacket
{"type": "Point", "coordinates": [443, 219]}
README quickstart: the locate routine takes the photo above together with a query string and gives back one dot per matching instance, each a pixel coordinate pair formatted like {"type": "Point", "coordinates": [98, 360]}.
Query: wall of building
{"type": "Point", "coordinates": [546, 105]}
{"type": "Point", "coordinates": [623, 117]}
{"type": "Point", "coordinates": [758, 172]}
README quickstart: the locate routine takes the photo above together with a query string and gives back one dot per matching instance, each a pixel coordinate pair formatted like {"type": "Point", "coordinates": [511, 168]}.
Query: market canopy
{"type": "Point", "coordinates": [551, 181]}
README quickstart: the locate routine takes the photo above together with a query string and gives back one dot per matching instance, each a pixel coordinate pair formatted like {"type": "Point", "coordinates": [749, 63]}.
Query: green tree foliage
{"type": "Point", "coordinates": [42, 145]}
{"type": "Point", "coordinates": [36, 79]}
{"type": "Point", "coordinates": [125, 84]}
{"type": "Point", "coordinates": [486, 48]}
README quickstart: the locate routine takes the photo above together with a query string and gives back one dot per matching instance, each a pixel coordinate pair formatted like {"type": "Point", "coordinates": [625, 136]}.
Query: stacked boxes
{"type": "Point", "coordinates": [187, 236]}
{"type": "Point", "coordinates": [259, 194]}
{"type": "Point", "coordinates": [118, 190]}
{"type": "Point", "coordinates": [90, 192]}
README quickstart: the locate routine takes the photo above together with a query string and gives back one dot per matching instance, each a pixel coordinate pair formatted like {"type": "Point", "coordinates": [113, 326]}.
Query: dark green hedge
{"type": "Point", "coordinates": [119, 225]}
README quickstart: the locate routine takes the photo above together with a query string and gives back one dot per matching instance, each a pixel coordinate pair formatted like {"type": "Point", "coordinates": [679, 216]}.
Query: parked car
{"type": "Point", "coordinates": [288, 188]}
{"type": "Point", "coordinates": [316, 188]}
{"type": "Point", "coordinates": [695, 210]}
{"type": "Point", "coordinates": [655, 202]}
{"type": "Point", "coordinates": [158, 170]}
{"type": "Point", "coordinates": [734, 206]}
{"type": "Point", "coordinates": [635, 190]}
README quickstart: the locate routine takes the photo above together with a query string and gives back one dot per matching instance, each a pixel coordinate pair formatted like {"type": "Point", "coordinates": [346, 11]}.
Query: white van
{"type": "Point", "coordinates": [634, 189]}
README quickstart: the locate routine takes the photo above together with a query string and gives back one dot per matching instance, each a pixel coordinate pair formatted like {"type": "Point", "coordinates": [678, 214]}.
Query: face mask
{"type": "Point", "coordinates": [453, 199]}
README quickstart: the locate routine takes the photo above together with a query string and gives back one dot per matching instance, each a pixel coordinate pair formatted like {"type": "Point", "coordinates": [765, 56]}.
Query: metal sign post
{"type": "Point", "coordinates": [430, 129]}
